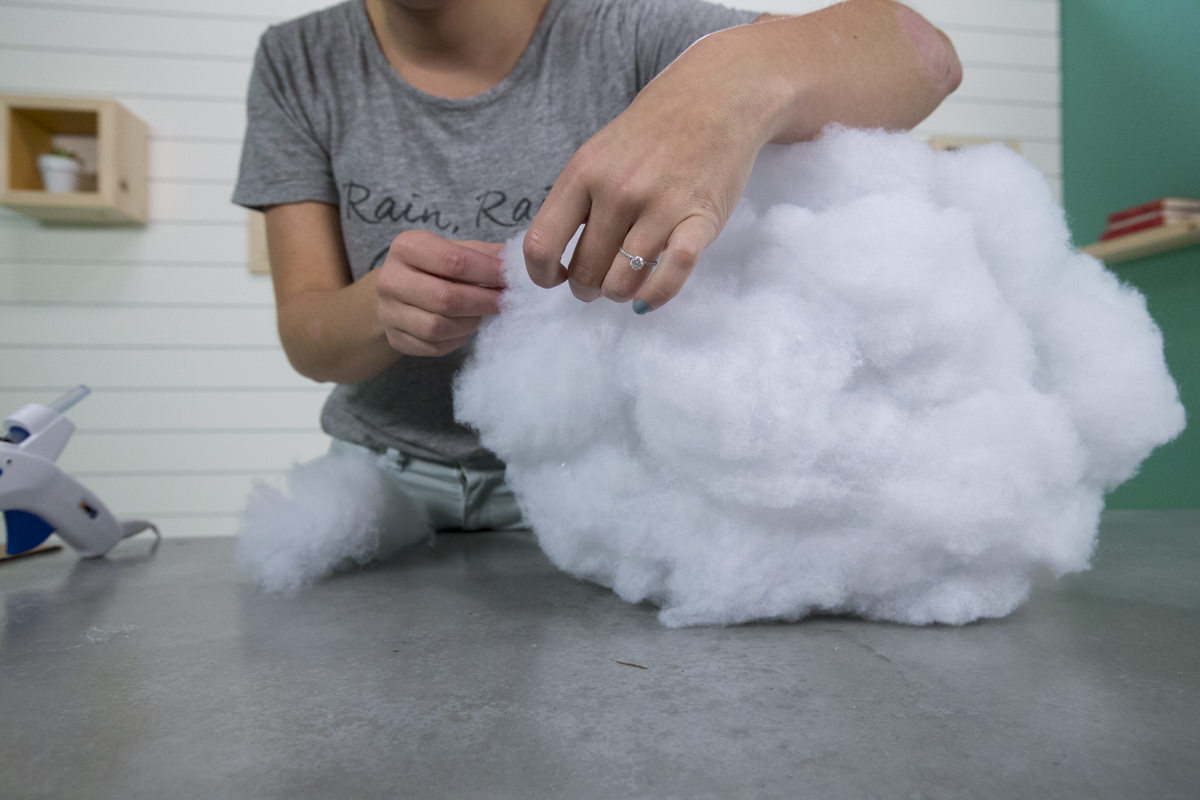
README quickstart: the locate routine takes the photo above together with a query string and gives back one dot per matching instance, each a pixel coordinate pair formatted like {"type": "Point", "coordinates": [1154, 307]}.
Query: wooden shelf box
{"type": "Point", "coordinates": [1171, 236]}
{"type": "Point", "coordinates": [28, 128]}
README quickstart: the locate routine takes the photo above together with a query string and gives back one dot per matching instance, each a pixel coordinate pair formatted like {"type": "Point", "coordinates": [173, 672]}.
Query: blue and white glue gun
{"type": "Point", "coordinates": [39, 499]}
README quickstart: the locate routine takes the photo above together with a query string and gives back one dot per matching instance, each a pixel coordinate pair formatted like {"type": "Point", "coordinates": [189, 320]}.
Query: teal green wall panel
{"type": "Point", "coordinates": [1131, 134]}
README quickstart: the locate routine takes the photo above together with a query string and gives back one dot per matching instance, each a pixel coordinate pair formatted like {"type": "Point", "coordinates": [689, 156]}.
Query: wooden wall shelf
{"type": "Point", "coordinates": [28, 127]}
{"type": "Point", "coordinates": [1148, 242]}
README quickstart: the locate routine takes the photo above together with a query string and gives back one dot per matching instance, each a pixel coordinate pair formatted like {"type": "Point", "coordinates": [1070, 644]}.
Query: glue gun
{"type": "Point", "coordinates": [39, 499]}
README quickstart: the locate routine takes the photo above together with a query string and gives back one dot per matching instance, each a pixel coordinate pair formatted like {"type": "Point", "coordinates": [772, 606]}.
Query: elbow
{"type": "Point", "coordinates": [935, 52]}
{"type": "Point", "coordinates": [948, 70]}
{"type": "Point", "coordinates": [301, 346]}
{"type": "Point", "coordinates": [308, 367]}
{"type": "Point", "coordinates": [314, 372]}
{"type": "Point", "coordinates": [315, 361]}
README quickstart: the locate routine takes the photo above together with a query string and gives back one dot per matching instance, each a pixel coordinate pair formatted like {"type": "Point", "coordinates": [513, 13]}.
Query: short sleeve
{"type": "Point", "coordinates": [663, 29]}
{"type": "Point", "coordinates": [283, 157]}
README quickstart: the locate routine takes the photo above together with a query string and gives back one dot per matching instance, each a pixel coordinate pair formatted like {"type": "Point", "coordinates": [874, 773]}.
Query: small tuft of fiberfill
{"type": "Point", "coordinates": [890, 388]}
{"type": "Point", "coordinates": [339, 510]}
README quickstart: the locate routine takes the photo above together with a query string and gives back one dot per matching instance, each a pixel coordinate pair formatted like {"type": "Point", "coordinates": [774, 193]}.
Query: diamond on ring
{"type": "Point", "coordinates": [635, 262]}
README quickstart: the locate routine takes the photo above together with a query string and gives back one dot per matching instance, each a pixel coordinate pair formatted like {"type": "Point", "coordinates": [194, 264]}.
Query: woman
{"type": "Point", "coordinates": [394, 143]}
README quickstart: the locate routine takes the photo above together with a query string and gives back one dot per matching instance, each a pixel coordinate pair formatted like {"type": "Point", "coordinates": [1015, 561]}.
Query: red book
{"type": "Point", "coordinates": [1154, 221]}
{"type": "Point", "coordinates": [1140, 221]}
{"type": "Point", "coordinates": [1176, 204]}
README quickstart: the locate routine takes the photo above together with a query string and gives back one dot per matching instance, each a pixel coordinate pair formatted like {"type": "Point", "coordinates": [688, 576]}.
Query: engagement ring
{"type": "Point", "coordinates": [636, 262]}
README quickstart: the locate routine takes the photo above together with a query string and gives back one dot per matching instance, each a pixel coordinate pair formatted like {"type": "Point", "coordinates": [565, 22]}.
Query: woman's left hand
{"type": "Point", "coordinates": [658, 182]}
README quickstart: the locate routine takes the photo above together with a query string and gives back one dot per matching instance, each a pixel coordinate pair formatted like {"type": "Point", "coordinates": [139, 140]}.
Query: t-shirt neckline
{"type": "Point", "coordinates": [524, 63]}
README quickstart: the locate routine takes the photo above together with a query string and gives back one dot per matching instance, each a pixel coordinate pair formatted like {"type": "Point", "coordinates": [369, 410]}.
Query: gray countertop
{"type": "Point", "coordinates": [475, 669]}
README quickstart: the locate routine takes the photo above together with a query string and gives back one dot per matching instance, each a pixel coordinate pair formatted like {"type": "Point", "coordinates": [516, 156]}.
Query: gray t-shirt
{"type": "Point", "coordinates": [330, 120]}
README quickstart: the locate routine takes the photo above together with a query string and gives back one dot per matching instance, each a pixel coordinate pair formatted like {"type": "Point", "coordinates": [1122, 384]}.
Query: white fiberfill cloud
{"type": "Point", "coordinates": [891, 388]}
{"type": "Point", "coordinates": [337, 510]}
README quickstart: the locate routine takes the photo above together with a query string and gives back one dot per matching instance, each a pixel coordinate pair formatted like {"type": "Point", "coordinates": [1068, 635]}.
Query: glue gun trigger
{"type": "Point", "coordinates": [25, 531]}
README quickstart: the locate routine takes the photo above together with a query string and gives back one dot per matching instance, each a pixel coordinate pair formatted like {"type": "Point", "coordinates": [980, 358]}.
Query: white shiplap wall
{"type": "Point", "coordinates": [193, 399]}
{"type": "Point", "coordinates": [1012, 70]}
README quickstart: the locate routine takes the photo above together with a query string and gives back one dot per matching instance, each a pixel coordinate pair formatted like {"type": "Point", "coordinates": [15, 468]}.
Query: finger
{"type": "Point", "coordinates": [687, 242]}
{"type": "Point", "coordinates": [594, 254]}
{"type": "Point", "coordinates": [414, 346]}
{"type": "Point", "coordinates": [425, 325]}
{"type": "Point", "coordinates": [449, 260]}
{"type": "Point", "coordinates": [437, 295]}
{"type": "Point", "coordinates": [493, 249]}
{"type": "Point", "coordinates": [627, 273]}
{"type": "Point", "coordinates": [564, 210]}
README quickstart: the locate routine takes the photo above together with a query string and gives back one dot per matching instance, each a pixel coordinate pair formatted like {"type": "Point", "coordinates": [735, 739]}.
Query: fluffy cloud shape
{"type": "Point", "coordinates": [340, 509]}
{"type": "Point", "coordinates": [890, 389]}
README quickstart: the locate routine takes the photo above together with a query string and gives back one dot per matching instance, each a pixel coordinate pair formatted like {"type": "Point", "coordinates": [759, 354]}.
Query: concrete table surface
{"type": "Point", "coordinates": [474, 669]}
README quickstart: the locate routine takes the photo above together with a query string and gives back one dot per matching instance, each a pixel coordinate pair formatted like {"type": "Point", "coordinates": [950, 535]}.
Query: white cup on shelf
{"type": "Point", "coordinates": [59, 173]}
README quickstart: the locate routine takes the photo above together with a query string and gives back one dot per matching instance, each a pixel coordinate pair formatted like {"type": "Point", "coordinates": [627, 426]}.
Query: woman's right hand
{"type": "Point", "coordinates": [433, 293]}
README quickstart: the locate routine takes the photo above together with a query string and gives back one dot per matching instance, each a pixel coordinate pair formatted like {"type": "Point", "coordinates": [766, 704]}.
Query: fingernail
{"type": "Point", "coordinates": [641, 307]}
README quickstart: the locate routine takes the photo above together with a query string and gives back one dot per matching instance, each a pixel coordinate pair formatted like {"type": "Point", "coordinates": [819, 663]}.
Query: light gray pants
{"type": "Point", "coordinates": [456, 497]}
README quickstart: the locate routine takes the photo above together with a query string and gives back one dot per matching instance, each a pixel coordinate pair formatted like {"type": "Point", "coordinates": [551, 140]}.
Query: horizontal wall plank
{"type": "Point", "coordinates": [1034, 87]}
{"type": "Point", "coordinates": [173, 202]}
{"type": "Point", "coordinates": [1026, 15]}
{"type": "Point", "coordinates": [183, 526]}
{"type": "Point", "coordinates": [111, 284]}
{"type": "Point", "coordinates": [39, 72]}
{"type": "Point", "coordinates": [208, 452]}
{"type": "Point", "coordinates": [231, 9]}
{"type": "Point", "coordinates": [194, 202]}
{"type": "Point", "coordinates": [171, 526]}
{"type": "Point", "coordinates": [964, 118]}
{"type": "Point", "coordinates": [24, 241]}
{"type": "Point", "coordinates": [107, 411]}
{"type": "Point", "coordinates": [221, 120]}
{"type": "Point", "coordinates": [173, 159]}
{"type": "Point", "coordinates": [64, 367]}
{"type": "Point", "coordinates": [1056, 189]}
{"type": "Point", "coordinates": [152, 496]}
{"type": "Point", "coordinates": [1042, 156]}
{"type": "Point", "coordinates": [184, 328]}
{"type": "Point", "coordinates": [1011, 49]}
{"type": "Point", "coordinates": [1046, 156]}
{"type": "Point", "coordinates": [57, 28]}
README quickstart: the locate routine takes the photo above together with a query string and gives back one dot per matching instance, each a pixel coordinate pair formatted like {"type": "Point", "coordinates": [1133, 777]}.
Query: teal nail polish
{"type": "Point", "coordinates": [641, 307]}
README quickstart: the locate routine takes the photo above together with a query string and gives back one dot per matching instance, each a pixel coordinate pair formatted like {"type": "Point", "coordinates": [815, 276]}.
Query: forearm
{"type": "Point", "coordinates": [328, 323]}
{"type": "Point", "coordinates": [336, 336]}
{"type": "Point", "coordinates": [863, 63]}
